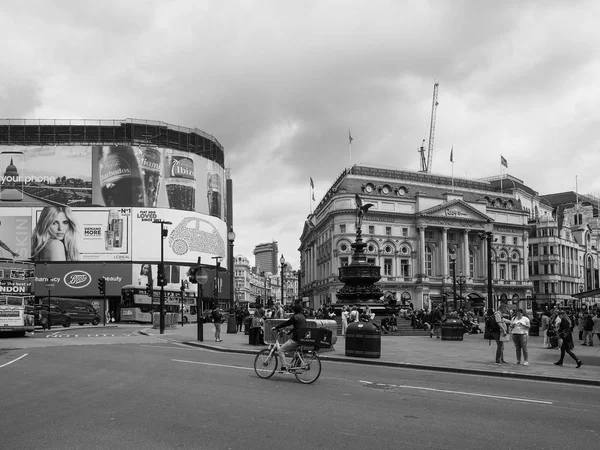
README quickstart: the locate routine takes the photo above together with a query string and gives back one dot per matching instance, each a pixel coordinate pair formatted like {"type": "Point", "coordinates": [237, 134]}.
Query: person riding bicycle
{"type": "Point", "coordinates": [298, 320]}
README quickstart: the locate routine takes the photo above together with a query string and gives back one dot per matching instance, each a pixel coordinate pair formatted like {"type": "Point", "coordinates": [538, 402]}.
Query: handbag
{"type": "Point", "coordinates": [504, 337]}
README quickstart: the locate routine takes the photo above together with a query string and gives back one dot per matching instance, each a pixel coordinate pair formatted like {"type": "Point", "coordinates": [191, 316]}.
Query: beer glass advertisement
{"type": "Point", "coordinates": [189, 236]}
{"type": "Point", "coordinates": [62, 233]}
{"type": "Point", "coordinates": [15, 233]}
{"type": "Point", "coordinates": [35, 175]}
{"type": "Point", "coordinates": [130, 176]}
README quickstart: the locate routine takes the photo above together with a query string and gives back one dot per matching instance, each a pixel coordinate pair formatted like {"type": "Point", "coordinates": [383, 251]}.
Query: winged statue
{"type": "Point", "coordinates": [361, 210]}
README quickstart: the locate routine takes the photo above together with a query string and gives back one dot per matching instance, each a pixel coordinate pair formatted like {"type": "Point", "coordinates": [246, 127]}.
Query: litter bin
{"type": "Point", "coordinates": [232, 324]}
{"type": "Point", "coordinates": [534, 327]}
{"type": "Point", "coordinates": [453, 330]}
{"type": "Point", "coordinates": [363, 339]}
{"type": "Point", "coordinates": [247, 323]}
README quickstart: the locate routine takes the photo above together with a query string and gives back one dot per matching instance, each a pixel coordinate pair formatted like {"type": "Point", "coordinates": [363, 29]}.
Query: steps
{"type": "Point", "coordinates": [404, 328]}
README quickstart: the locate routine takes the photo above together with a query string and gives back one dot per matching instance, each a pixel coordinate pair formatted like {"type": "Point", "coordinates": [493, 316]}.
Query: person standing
{"type": "Point", "coordinates": [345, 317]}
{"type": "Point", "coordinates": [596, 328]}
{"type": "Point", "coordinates": [217, 317]}
{"type": "Point", "coordinates": [500, 333]}
{"type": "Point", "coordinates": [565, 335]}
{"type": "Point", "coordinates": [544, 329]}
{"type": "Point", "coordinates": [588, 328]}
{"type": "Point", "coordinates": [436, 322]}
{"type": "Point", "coordinates": [279, 314]}
{"type": "Point", "coordinates": [519, 328]}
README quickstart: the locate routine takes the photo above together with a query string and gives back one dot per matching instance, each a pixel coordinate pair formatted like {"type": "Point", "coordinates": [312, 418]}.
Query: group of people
{"type": "Point", "coordinates": [557, 325]}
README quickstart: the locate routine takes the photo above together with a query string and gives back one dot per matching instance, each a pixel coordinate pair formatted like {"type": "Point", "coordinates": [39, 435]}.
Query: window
{"type": "Point", "coordinates": [405, 232]}
{"type": "Point", "coordinates": [552, 250]}
{"type": "Point", "coordinates": [502, 268]}
{"type": "Point", "coordinates": [514, 272]}
{"type": "Point", "coordinates": [428, 262]}
{"type": "Point", "coordinates": [371, 260]}
{"type": "Point", "coordinates": [171, 274]}
{"type": "Point", "coordinates": [388, 231]}
{"type": "Point", "coordinates": [515, 240]}
{"type": "Point", "coordinates": [503, 239]}
{"type": "Point", "coordinates": [534, 250]}
{"type": "Point", "coordinates": [405, 267]}
{"type": "Point", "coordinates": [471, 264]}
{"type": "Point", "coordinates": [344, 261]}
{"type": "Point", "coordinates": [342, 228]}
{"type": "Point", "coordinates": [429, 235]}
{"type": "Point", "coordinates": [371, 229]}
{"type": "Point", "coordinates": [387, 267]}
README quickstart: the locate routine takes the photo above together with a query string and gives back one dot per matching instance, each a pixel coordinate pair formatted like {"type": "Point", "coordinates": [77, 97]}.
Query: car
{"type": "Point", "coordinates": [57, 316]}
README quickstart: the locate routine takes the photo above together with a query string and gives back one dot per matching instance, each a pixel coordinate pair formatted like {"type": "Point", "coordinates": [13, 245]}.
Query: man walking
{"type": "Point", "coordinates": [436, 322]}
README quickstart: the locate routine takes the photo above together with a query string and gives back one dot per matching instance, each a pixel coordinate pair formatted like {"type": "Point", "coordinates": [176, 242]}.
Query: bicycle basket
{"type": "Point", "coordinates": [315, 337]}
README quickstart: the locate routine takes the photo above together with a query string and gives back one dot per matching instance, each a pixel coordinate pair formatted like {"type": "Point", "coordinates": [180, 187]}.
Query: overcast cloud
{"type": "Point", "coordinates": [280, 83]}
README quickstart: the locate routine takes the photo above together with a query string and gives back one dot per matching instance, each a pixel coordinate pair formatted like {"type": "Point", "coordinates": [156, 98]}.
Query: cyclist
{"type": "Point", "coordinates": [298, 320]}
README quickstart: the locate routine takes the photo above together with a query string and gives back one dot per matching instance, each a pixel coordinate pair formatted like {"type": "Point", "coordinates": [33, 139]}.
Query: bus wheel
{"type": "Point", "coordinates": [185, 319]}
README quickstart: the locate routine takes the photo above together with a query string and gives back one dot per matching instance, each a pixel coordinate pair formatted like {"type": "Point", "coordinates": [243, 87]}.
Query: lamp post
{"type": "Point", "coordinates": [282, 262]}
{"type": "Point", "coordinates": [488, 228]}
{"type": "Point", "coordinates": [265, 290]}
{"type": "Point", "coordinates": [453, 259]}
{"type": "Point", "coordinates": [161, 271]}
{"type": "Point", "coordinates": [231, 238]}
{"type": "Point", "coordinates": [461, 280]}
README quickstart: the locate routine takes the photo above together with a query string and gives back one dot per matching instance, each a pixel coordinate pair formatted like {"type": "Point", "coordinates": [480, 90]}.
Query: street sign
{"type": "Point", "coordinates": [201, 276]}
{"type": "Point", "coordinates": [49, 285]}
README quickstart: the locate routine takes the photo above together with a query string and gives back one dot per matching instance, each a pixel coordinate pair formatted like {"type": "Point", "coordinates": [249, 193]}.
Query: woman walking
{"type": "Point", "coordinates": [564, 333]}
{"type": "Point", "coordinates": [519, 328]}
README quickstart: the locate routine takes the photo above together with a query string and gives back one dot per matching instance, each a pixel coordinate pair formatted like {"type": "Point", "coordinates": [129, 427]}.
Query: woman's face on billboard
{"type": "Point", "coordinates": [59, 226]}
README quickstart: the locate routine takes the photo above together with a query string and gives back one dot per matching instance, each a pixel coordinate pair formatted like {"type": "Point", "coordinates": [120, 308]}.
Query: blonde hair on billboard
{"type": "Point", "coordinates": [41, 234]}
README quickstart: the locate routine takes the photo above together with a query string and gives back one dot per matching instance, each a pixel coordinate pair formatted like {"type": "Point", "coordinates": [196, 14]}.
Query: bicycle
{"type": "Point", "coordinates": [305, 364]}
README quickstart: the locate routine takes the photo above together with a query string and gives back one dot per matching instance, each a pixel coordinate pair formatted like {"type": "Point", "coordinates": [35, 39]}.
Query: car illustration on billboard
{"type": "Point", "coordinates": [195, 234]}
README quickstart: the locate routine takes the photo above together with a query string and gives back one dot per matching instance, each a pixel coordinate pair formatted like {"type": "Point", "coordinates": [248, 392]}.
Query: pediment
{"type": "Point", "coordinates": [457, 210]}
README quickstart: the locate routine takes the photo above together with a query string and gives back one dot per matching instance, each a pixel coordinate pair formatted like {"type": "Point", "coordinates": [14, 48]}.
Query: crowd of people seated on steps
{"type": "Point", "coordinates": [431, 321]}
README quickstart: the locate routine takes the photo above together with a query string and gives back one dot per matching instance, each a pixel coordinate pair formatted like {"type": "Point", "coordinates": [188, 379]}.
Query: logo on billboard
{"type": "Point", "coordinates": [77, 279]}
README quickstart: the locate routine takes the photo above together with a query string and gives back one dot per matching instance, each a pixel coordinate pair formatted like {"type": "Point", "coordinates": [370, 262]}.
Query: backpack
{"type": "Point", "coordinates": [589, 324]}
{"type": "Point", "coordinates": [491, 324]}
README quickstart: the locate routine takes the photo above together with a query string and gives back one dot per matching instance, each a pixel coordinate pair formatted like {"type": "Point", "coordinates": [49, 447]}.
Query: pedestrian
{"type": "Point", "coordinates": [217, 317]}
{"type": "Point", "coordinates": [345, 317]}
{"type": "Point", "coordinates": [519, 329]}
{"type": "Point", "coordinates": [499, 332]}
{"type": "Point", "coordinates": [436, 322]}
{"type": "Point", "coordinates": [596, 328]}
{"type": "Point", "coordinates": [588, 328]}
{"type": "Point", "coordinates": [544, 329]}
{"type": "Point", "coordinates": [565, 335]}
{"type": "Point", "coordinates": [353, 315]}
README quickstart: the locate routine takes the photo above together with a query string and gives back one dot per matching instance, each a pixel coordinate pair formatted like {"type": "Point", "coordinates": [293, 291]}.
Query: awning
{"type": "Point", "coordinates": [585, 294]}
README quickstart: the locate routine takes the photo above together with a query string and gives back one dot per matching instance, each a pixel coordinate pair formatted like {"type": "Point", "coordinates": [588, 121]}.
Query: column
{"type": "Point", "coordinates": [445, 252]}
{"type": "Point", "coordinates": [422, 248]}
{"type": "Point", "coordinates": [525, 259]}
{"type": "Point", "coordinates": [465, 261]}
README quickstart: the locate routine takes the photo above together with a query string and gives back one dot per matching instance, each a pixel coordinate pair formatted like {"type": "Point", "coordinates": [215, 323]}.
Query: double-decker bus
{"type": "Point", "coordinates": [16, 314]}
{"type": "Point", "coordinates": [137, 306]}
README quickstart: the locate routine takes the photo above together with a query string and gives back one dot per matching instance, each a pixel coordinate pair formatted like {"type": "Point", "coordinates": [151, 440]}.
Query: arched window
{"type": "Point", "coordinates": [428, 262]}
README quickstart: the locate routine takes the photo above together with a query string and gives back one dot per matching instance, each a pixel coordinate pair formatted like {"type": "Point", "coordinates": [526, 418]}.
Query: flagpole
{"type": "Point", "coordinates": [452, 161]}
{"type": "Point", "coordinates": [350, 146]}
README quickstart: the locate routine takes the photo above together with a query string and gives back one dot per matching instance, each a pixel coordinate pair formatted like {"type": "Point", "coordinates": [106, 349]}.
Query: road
{"type": "Point", "coordinates": [130, 392]}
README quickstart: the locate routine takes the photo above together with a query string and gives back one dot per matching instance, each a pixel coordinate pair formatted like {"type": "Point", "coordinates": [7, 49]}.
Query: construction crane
{"type": "Point", "coordinates": [426, 162]}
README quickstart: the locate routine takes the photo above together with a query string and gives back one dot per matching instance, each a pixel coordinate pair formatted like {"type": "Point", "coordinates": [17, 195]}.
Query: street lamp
{"type": "Point", "coordinates": [161, 271]}
{"type": "Point", "coordinates": [461, 280]}
{"type": "Point", "coordinates": [231, 238]}
{"type": "Point", "coordinates": [453, 259]}
{"type": "Point", "coordinates": [488, 227]}
{"type": "Point", "coordinates": [282, 262]}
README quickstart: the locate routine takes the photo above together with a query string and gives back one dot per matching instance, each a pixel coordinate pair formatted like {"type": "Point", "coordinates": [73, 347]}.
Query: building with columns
{"type": "Point", "coordinates": [423, 230]}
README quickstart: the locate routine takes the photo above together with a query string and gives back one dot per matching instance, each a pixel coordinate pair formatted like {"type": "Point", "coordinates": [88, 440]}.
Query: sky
{"type": "Point", "coordinates": [281, 83]}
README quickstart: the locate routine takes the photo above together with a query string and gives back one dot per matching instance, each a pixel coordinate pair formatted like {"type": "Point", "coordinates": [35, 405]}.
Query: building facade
{"type": "Point", "coordinates": [266, 257]}
{"type": "Point", "coordinates": [422, 230]}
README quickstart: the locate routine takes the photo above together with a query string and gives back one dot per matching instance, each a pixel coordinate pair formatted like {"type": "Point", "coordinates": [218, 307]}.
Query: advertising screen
{"type": "Point", "coordinates": [189, 236]}
{"type": "Point", "coordinates": [15, 233]}
{"type": "Point", "coordinates": [80, 280]}
{"type": "Point", "coordinates": [152, 177]}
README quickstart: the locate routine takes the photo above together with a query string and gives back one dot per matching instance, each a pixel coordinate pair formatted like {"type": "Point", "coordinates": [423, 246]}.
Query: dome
{"type": "Point", "coordinates": [11, 170]}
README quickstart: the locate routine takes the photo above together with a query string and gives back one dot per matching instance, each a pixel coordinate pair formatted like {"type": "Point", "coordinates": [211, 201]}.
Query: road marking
{"type": "Point", "coordinates": [210, 364]}
{"type": "Point", "coordinates": [14, 360]}
{"type": "Point", "coordinates": [446, 391]}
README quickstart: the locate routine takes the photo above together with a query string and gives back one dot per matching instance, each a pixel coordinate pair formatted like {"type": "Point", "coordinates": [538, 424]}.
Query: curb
{"type": "Point", "coordinates": [371, 362]}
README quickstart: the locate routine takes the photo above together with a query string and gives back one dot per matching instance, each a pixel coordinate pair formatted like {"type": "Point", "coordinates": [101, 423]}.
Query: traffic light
{"type": "Point", "coordinates": [192, 274]}
{"type": "Point", "coordinates": [161, 275]}
{"type": "Point", "coordinates": [102, 285]}
{"type": "Point", "coordinates": [149, 290]}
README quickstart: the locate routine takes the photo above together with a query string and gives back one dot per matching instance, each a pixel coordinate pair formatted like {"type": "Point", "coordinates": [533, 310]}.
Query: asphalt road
{"type": "Point", "coordinates": [155, 394]}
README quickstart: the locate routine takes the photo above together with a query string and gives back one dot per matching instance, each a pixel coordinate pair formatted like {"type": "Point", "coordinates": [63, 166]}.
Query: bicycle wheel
{"type": "Point", "coordinates": [310, 370]}
{"type": "Point", "coordinates": [265, 365]}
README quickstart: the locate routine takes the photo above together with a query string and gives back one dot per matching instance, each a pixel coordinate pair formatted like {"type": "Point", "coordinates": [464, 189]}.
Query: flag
{"type": "Point", "coordinates": [350, 138]}
{"type": "Point", "coordinates": [313, 196]}
{"type": "Point", "coordinates": [312, 184]}
{"type": "Point", "coordinates": [503, 161]}
{"type": "Point", "coordinates": [452, 154]}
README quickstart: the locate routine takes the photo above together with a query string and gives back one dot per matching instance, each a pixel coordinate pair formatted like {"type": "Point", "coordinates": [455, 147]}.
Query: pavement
{"type": "Point", "coordinates": [472, 355]}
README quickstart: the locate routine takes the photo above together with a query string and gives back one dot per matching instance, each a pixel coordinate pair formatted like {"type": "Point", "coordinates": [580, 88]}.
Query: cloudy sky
{"type": "Point", "coordinates": [280, 83]}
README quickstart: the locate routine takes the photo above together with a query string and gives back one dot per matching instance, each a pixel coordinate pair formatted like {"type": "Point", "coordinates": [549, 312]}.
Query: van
{"type": "Point", "coordinates": [80, 311]}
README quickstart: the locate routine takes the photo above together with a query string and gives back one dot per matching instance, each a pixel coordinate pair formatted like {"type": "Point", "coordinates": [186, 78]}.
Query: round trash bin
{"type": "Point", "coordinates": [453, 330]}
{"type": "Point", "coordinates": [534, 327]}
{"type": "Point", "coordinates": [231, 324]}
{"type": "Point", "coordinates": [363, 339]}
